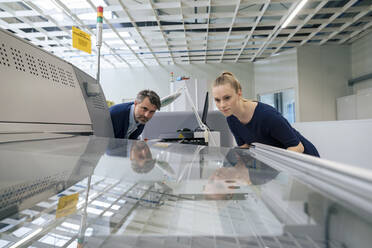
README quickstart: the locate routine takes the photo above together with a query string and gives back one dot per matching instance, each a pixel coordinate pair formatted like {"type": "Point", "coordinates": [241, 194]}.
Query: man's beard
{"type": "Point", "coordinates": [142, 119]}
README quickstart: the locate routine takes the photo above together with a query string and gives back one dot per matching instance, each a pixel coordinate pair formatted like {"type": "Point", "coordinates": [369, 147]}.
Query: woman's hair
{"type": "Point", "coordinates": [228, 78]}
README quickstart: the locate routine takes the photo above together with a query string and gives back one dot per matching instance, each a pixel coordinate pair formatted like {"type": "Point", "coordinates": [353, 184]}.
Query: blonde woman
{"type": "Point", "coordinates": [252, 121]}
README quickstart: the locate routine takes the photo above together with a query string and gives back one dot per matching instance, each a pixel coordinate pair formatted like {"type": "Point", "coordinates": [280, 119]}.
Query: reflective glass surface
{"type": "Point", "coordinates": [100, 192]}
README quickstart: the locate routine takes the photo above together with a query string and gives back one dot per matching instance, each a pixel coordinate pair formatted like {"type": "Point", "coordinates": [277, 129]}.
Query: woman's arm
{"type": "Point", "coordinates": [244, 146]}
{"type": "Point", "coordinates": [299, 148]}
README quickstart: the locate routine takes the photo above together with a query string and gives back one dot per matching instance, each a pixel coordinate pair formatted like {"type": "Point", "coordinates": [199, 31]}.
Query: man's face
{"type": "Point", "coordinates": [144, 111]}
{"type": "Point", "coordinates": [140, 152]}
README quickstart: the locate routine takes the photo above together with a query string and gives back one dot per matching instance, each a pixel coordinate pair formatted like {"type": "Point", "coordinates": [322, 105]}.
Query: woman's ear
{"type": "Point", "coordinates": [239, 92]}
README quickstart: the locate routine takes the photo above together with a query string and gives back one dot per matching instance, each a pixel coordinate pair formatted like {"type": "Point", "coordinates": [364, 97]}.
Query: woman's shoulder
{"type": "Point", "coordinates": [231, 119]}
{"type": "Point", "coordinates": [265, 112]}
{"type": "Point", "coordinates": [233, 122]}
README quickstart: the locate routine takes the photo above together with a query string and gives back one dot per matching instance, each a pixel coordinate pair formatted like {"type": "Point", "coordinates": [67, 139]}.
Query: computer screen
{"type": "Point", "coordinates": [205, 109]}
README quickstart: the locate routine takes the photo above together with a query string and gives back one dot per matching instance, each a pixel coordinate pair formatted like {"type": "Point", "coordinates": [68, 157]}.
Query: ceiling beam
{"type": "Point", "coordinates": [353, 34]}
{"type": "Point", "coordinates": [329, 20]}
{"type": "Point", "coordinates": [207, 35]}
{"type": "Point", "coordinates": [347, 24]}
{"type": "Point", "coordinates": [138, 31]}
{"type": "Point", "coordinates": [258, 19]}
{"type": "Point", "coordinates": [184, 32]}
{"type": "Point", "coordinates": [274, 32]}
{"type": "Point", "coordinates": [161, 30]}
{"type": "Point", "coordinates": [313, 13]}
{"type": "Point", "coordinates": [230, 28]}
{"type": "Point", "coordinates": [82, 26]}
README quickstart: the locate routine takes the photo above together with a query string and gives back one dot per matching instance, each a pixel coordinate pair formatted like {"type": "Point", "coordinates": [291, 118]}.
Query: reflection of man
{"type": "Point", "coordinates": [129, 119]}
{"type": "Point", "coordinates": [138, 152]}
{"type": "Point", "coordinates": [141, 157]}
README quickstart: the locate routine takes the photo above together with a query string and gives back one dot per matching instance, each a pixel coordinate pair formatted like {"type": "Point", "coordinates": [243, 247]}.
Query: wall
{"type": "Point", "coordinates": [126, 82]}
{"type": "Point", "coordinates": [323, 72]}
{"type": "Point", "coordinates": [361, 61]}
{"type": "Point", "coordinates": [347, 141]}
{"type": "Point", "coordinates": [277, 73]}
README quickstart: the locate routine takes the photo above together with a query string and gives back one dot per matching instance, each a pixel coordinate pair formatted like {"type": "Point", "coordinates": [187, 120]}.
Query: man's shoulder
{"type": "Point", "coordinates": [121, 106]}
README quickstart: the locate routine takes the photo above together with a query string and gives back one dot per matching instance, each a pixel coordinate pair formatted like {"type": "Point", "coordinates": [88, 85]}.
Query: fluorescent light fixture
{"type": "Point", "coordinates": [44, 4]}
{"type": "Point", "coordinates": [76, 4]}
{"type": "Point", "coordinates": [87, 16]}
{"type": "Point", "coordinates": [70, 225]}
{"type": "Point", "coordinates": [99, 3]}
{"type": "Point", "coordinates": [113, 35]}
{"type": "Point", "coordinates": [27, 238]}
{"type": "Point", "coordinates": [114, 42]}
{"type": "Point", "coordinates": [294, 13]}
{"type": "Point", "coordinates": [91, 16]}
{"type": "Point", "coordinates": [131, 42]}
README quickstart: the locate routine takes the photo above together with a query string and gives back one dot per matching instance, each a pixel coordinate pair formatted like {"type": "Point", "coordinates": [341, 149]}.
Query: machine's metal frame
{"type": "Point", "coordinates": [352, 185]}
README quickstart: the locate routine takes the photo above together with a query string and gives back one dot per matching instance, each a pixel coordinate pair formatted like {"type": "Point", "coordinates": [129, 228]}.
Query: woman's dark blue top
{"type": "Point", "coordinates": [269, 127]}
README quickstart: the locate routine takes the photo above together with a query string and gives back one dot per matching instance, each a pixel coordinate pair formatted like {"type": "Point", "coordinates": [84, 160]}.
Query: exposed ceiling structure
{"type": "Point", "coordinates": [163, 32]}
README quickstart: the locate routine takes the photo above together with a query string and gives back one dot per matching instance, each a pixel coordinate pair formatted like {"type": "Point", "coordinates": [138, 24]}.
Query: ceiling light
{"type": "Point", "coordinates": [45, 5]}
{"type": "Point", "coordinates": [294, 13]}
{"type": "Point", "coordinates": [113, 35]}
{"type": "Point", "coordinates": [131, 42]}
{"type": "Point", "coordinates": [76, 4]}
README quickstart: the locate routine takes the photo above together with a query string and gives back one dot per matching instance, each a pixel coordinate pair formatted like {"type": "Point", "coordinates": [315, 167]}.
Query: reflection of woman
{"type": "Point", "coordinates": [239, 170]}
{"type": "Point", "coordinates": [251, 121]}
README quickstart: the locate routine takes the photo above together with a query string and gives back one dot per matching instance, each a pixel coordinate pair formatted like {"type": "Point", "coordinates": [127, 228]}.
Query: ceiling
{"type": "Point", "coordinates": [164, 32]}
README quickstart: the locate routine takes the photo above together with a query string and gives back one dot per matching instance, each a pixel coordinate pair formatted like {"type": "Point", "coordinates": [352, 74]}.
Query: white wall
{"type": "Point", "coordinates": [347, 142]}
{"type": "Point", "coordinates": [126, 82]}
{"type": "Point", "coordinates": [361, 61]}
{"type": "Point", "coordinates": [277, 73]}
{"type": "Point", "coordinates": [323, 72]}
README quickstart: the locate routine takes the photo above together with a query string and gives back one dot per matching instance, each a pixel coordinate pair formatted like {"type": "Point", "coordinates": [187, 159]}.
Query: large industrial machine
{"type": "Point", "coordinates": [65, 182]}
{"type": "Point", "coordinates": [42, 95]}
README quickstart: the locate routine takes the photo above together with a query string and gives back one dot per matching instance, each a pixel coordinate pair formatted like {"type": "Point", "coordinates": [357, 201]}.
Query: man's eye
{"type": "Point", "coordinates": [227, 97]}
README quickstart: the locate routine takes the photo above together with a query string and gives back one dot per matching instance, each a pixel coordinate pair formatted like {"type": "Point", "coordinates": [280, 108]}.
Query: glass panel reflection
{"type": "Point", "coordinates": [148, 194]}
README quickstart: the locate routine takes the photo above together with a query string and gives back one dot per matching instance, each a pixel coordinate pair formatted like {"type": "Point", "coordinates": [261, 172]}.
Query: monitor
{"type": "Point", "coordinates": [205, 109]}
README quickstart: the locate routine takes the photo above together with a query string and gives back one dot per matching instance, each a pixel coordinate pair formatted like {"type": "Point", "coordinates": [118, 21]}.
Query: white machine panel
{"type": "Point", "coordinates": [37, 87]}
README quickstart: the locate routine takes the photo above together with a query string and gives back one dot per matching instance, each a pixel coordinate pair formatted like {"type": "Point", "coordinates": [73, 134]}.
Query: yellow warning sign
{"type": "Point", "coordinates": [81, 40]}
{"type": "Point", "coordinates": [67, 205]}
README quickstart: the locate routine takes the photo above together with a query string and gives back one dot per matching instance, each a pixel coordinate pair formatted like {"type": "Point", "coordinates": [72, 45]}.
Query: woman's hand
{"type": "Point", "coordinates": [245, 146]}
{"type": "Point", "coordinates": [299, 148]}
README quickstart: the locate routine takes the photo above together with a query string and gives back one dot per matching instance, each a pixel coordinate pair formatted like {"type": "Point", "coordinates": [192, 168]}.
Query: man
{"type": "Point", "coordinates": [129, 119]}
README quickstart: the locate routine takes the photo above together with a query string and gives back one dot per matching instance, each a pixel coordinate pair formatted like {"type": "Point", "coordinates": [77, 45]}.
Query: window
{"type": "Point", "coordinates": [283, 101]}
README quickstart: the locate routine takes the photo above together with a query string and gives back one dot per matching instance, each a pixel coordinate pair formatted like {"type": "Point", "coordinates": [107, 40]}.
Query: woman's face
{"type": "Point", "coordinates": [226, 98]}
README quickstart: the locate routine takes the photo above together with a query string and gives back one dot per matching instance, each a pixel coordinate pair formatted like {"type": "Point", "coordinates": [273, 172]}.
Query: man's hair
{"type": "Point", "coordinates": [153, 97]}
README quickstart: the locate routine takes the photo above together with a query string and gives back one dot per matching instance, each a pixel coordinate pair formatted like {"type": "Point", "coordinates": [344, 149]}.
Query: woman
{"type": "Point", "coordinates": [252, 121]}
